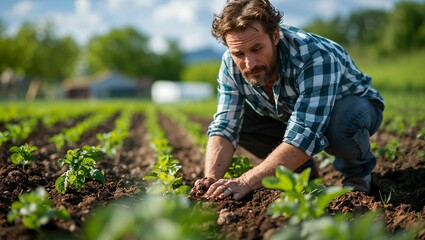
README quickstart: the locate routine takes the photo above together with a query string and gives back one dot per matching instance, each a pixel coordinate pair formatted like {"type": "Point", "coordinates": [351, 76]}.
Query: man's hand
{"type": "Point", "coordinates": [201, 186]}
{"type": "Point", "coordinates": [226, 187]}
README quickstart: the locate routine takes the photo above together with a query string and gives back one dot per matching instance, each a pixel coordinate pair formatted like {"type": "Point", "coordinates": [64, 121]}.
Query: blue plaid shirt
{"type": "Point", "coordinates": [314, 73]}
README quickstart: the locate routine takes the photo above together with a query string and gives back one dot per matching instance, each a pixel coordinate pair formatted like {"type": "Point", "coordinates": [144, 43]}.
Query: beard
{"type": "Point", "coordinates": [261, 75]}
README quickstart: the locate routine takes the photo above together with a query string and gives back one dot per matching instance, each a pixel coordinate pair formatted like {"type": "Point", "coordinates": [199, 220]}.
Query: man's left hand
{"type": "Point", "coordinates": [228, 187]}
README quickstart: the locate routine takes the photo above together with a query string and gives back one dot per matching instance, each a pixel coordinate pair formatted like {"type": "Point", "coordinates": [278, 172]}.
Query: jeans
{"type": "Point", "coordinates": [353, 120]}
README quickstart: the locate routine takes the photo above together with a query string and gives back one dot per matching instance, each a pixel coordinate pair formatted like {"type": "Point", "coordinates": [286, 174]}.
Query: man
{"type": "Point", "coordinates": [285, 95]}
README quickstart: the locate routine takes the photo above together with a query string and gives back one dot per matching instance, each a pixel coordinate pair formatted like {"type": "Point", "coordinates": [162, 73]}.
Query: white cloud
{"type": "Point", "coordinates": [82, 7]}
{"type": "Point", "coordinates": [376, 4]}
{"type": "Point", "coordinates": [328, 8]}
{"type": "Point", "coordinates": [122, 6]}
{"type": "Point", "coordinates": [21, 9]}
{"type": "Point", "coordinates": [81, 23]}
{"type": "Point", "coordinates": [182, 11]}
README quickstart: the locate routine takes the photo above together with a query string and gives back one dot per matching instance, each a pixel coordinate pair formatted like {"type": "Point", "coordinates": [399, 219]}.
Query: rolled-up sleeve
{"type": "Point", "coordinates": [228, 118]}
{"type": "Point", "coordinates": [318, 85]}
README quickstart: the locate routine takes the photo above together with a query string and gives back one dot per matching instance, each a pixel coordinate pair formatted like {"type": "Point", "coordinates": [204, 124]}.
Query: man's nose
{"type": "Point", "coordinates": [250, 61]}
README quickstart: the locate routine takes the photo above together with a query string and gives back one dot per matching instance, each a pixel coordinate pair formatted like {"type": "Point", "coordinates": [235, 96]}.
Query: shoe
{"type": "Point", "coordinates": [360, 184]}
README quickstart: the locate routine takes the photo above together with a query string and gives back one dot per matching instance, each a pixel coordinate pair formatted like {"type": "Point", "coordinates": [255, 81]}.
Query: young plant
{"type": "Point", "coordinates": [301, 199]}
{"type": "Point", "coordinates": [163, 177]}
{"type": "Point", "coordinates": [367, 226]}
{"type": "Point", "coordinates": [19, 132]}
{"type": "Point", "coordinates": [22, 154]}
{"type": "Point", "coordinates": [385, 199]}
{"type": "Point", "coordinates": [58, 140]}
{"type": "Point", "coordinates": [4, 137]}
{"type": "Point", "coordinates": [391, 151]}
{"type": "Point", "coordinates": [35, 209]}
{"type": "Point", "coordinates": [111, 141]}
{"type": "Point", "coordinates": [81, 166]}
{"type": "Point", "coordinates": [421, 134]}
{"type": "Point", "coordinates": [153, 217]}
{"type": "Point", "coordinates": [325, 159]}
{"type": "Point", "coordinates": [238, 167]}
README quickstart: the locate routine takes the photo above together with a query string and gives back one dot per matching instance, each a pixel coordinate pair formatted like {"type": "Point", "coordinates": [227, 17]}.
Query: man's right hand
{"type": "Point", "coordinates": [201, 186]}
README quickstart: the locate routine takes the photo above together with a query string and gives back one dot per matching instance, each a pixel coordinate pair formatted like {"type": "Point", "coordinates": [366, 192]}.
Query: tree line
{"type": "Point", "coordinates": [38, 53]}
{"type": "Point", "coordinates": [382, 32]}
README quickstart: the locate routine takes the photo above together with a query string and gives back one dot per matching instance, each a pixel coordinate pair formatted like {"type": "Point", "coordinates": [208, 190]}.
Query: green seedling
{"type": "Point", "coordinates": [163, 177]}
{"type": "Point", "coordinates": [58, 140]}
{"type": "Point", "coordinates": [19, 132]}
{"type": "Point", "coordinates": [325, 159]}
{"type": "Point", "coordinates": [111, 141]}
{"type": "Point", "coordinates": [421, 134]}
{"type": "Point", "coordinates": [391, 151]}
{"type": "Point", "coordinates": [385, 199]}
{"type": "Point", "coordinates": [301, 199]}
{"type": "Point", "coordinates": [153, 217]}
{"type": "Point", "coordinates": [81, 166]}
{"type": "Point", "coordinates": [367, 226]}
{"type": "Point", "coordinates": [238, 167]}
{"type": "Point", "coordinates": [22, 155]}
{"type": "Point", "coordinates": [35, 209]}
{"type": "Point", "coordinates": [4, 137]}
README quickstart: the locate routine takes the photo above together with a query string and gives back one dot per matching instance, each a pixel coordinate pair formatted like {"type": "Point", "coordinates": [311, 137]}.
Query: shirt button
{"type": "Point", "coordinates": [322, 142]}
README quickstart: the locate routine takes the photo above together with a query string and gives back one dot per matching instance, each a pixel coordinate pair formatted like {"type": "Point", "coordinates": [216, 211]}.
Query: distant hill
{"type": "Point", "coordinates": [206, 54]}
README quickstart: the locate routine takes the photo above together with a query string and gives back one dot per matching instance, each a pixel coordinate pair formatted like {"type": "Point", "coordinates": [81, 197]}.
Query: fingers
{"type": "Point", "coordinates": [203, 184]}
{"type": "Point", "coordinates": [224, 188]}
{"type": "Point", "coordinates": [215, 189]}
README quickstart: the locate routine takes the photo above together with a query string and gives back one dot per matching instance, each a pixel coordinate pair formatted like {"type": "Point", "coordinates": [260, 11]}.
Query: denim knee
{"type": "Point", "coordinates": [353, 120]}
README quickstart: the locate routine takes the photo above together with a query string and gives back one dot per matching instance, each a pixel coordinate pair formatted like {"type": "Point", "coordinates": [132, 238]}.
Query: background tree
{"type": "Point", "coordinates": [402, 29]}
{"type": "Point", "coordinates": [127, 51]}
{"type": "Point", "coordinates": [202, 72]}
{"type": "Point", "coordinates": [406, 27]}
{"type": "Point", "coordinates": [169, 65]}
{"type": "Point", "coordinates": [124, 50]}
{"type": "Point", "coordinates": [53, 58]}
{"type": "Point", "coordinates": [39, 55]}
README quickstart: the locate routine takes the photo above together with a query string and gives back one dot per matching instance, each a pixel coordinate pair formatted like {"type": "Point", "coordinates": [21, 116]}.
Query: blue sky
{"type": "Point", "coordinates": [187, 21]}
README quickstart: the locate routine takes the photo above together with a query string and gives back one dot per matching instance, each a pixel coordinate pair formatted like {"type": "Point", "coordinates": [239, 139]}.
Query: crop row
{"type": "Point", "coordinates": [164, 203]}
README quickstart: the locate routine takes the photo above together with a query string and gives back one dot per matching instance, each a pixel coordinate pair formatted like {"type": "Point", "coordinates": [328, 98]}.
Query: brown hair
{"type": "Point", "coordinates": [238, 15]}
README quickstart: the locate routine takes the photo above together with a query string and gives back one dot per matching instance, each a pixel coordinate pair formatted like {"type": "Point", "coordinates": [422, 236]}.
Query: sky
{"type": "Point", "coordinates": [187, 21]}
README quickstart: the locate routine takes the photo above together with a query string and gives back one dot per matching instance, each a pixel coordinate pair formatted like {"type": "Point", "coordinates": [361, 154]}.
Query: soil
{"type": "Point", "coordinates": [243, 219]}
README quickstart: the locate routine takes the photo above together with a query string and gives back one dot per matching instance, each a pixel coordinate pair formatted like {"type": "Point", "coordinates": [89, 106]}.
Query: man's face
{"type": "Point", "coordinates": [255, 54]}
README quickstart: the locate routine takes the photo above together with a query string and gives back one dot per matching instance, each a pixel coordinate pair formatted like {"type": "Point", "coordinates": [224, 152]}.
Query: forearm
{"type": "Point", "coordinates": [285, 154]}
{"type": "Point", "coordinates": [218, 157]}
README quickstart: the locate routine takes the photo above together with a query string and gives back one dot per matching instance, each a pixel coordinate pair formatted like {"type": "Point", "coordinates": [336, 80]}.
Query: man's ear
{"type": "Point", "coordinates": [276, 36]}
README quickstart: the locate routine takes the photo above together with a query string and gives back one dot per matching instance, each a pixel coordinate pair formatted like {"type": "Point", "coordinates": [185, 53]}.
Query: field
{"type": "Point", "coordinates": [398, 194]}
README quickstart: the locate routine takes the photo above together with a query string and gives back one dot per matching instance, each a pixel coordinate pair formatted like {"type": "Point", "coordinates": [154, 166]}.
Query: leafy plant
{"type": "Point", "coordinates": [59, 140]}
{"type": "Point", "coordinates": [421, 134]}
{"type": "Point", "coordinates": [4, 137]}
{"type": "Point", "coordinates": [35, 209]}
{"type": "Point", "coordinates": [391, 150]}
{"type": "Point", "coordinates": [339, 227]}
{"type": "Point", "coordinates": [81, 166]}
{"type": "Point", "coordinates": [301, 199]}
{"type": "Point", "coordinates": [325, 159]}
{"type": "Point", "coordinates": [22, 154]}
{"type": "Point", "coordinates": [385, 199]}
{"type": "Point", "coordinates": [239, 166]}
{"type": "Point", "coordinates": [154, 217]}
{"type": "Point", "coordinates": [111, 141]}
{"type": "Point", "coordinates": [164, 178]}
{"type": "Point", "coordinates": [19, 132]}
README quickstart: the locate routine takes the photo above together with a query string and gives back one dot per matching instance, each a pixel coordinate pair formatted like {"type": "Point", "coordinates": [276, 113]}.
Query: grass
{"type": "Point", "coordinates": [395, 72]}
